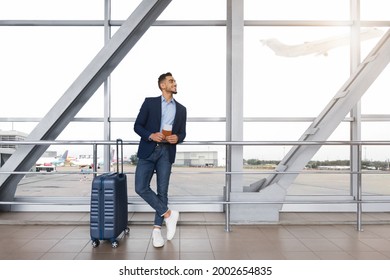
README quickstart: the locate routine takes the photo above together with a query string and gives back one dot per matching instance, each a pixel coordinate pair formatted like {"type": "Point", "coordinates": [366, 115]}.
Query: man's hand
{"type": "Point", "coordinates": [172, 139]}
{"type": "Point", "coordinates": [157, 137]}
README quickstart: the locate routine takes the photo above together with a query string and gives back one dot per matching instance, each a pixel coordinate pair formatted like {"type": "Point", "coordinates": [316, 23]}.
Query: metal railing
{"type": "Point", "coordinates": [228, 144]}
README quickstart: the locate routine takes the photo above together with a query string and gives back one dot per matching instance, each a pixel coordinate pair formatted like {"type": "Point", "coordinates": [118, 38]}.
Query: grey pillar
{"type": "Point", "coordinates": [355, 126]}
{"type": "Point", "coordinates": [235, 87]}
{"type": "Point", "coordinates": [107, 90]}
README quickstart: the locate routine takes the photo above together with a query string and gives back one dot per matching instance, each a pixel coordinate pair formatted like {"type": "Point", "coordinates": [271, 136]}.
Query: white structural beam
{"type": "Point", "coordinates": [323, 126]}
{"type": "Point", "coordinates": [80, 92]}
{"type": "Point", "coordinates": [107, 90]}
{"type": "Point", "coordinates": [356, 112]}
{"type": "Point", "coordinates": [235, 88]}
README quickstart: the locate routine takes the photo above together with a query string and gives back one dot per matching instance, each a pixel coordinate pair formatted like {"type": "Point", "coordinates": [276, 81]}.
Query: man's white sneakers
{"type": "Point", "coordinates": [171, 222]}
{"type": "Point", "coordinates": [158, 240]}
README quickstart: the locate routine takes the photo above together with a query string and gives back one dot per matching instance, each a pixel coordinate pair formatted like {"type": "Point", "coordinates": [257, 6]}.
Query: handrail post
{"type": "Point", "coordinates": [95, 163]}
{"type": "Point", "coordinates": [359, 189]}
{"type": "Point", "coordinates": [228, 188]}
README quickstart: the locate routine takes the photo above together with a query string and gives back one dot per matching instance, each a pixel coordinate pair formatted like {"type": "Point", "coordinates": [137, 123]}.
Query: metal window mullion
{"type": "Point", "coordinates": [355, 114]}
{"type": "Point", "coordinates": [107, 90]}
{"type": "Point", "coordinates": [308, 23]}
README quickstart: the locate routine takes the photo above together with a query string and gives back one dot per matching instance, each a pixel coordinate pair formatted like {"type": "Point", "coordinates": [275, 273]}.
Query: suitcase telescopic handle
{"type": "Point", "coordinates": [119, 142]}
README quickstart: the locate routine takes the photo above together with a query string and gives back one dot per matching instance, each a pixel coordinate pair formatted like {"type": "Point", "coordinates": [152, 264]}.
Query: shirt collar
{"type": "Point", "coordinates": [164, 101]}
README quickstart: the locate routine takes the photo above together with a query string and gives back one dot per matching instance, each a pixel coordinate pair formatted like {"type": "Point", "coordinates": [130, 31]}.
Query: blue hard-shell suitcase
{"type": "Point", "coordinates": [108, 216]}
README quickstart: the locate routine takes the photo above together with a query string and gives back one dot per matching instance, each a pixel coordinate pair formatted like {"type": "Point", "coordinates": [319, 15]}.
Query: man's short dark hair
{"type": "Point", "coordinates": [162, 78]}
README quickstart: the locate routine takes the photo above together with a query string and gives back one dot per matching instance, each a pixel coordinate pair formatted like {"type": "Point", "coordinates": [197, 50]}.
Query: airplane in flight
{"type": "Point", "coordinates": [50, 163]}
{"type": "Point", "coordinates": [318, 47]}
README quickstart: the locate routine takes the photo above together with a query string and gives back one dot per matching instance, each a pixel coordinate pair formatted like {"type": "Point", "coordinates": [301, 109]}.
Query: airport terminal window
{"type": "Point", "coordinates": [296, 10]}
{"type": "Point", "coordinates": [367, 45]}
{"type": "Point", "coordinates": [279, 79]}
{"type": "Point", "coordinates": [52, 10]}
{"type": "Point", "coordinates": [94, 108]}
{"type": "Point", "coordinates": [196, 58]}
{"type": "Point", "coordinates": [269, 131]}
{"type": "Point", "coordinates": [195, 10]}
{"type": "Point", "coordinates": [122, 9]}
{"type": "Point", "coordinates": [177, 10]}
{"type": "Point", "coordinates": [264, 159]}
{"type": "Point", "coordinates": [374, 10]}
{"type": "Point", "coordinates": [376, 159]}
{"type": "Point", "coordinates": [373, 99]}
{"type": "Point", "coordinates": [274, 85]}
{"type": "Point", "coordinates": [38, 64]}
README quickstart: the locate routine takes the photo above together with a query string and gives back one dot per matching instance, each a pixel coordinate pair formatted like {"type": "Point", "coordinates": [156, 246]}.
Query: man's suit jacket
{"type": "Point", "coordinates": [149, 121]}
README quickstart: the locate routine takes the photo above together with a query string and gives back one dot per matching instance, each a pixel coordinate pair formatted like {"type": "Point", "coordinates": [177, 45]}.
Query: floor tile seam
{"type": "Point", "coordinates": [270, 238]}
{"type": "Point", "coordinates": [16, 253]}
{"type": "Point", "coordinates": [301, 243]}
{"type": "Point", "coordinates": [48, 249]}
{"type": "Point", "coordinates": [62, 239]}
{"type": "Point", "coordinates": [330, 240]}
{"type": "Point", "coordinates": [285, 254]}
{"type": "Point", "coordinates": [296, 235]}
{"type": "Point", "coordinates": [358, 240]}
{"type": "Point", "coordinates": [148, 247]}
{"type": "Point", "coordinates": [367, 244]}
{"type": "Point", "coordinates": [314, 250]}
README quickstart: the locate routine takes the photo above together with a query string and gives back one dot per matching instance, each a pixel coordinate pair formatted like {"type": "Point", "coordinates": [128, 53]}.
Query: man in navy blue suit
{"type": "Point", "coordinates": [157, 152]}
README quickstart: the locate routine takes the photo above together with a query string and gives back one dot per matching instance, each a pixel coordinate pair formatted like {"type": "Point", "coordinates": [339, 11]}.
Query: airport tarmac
{"type": "Point", "coordinates": [70, 188]}
{"type": "Point", "coordinates": [189, 181]}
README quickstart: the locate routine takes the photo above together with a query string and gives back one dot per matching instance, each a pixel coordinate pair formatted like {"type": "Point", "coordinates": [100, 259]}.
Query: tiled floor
{"type": "Point", "coordinates": [65, 236]}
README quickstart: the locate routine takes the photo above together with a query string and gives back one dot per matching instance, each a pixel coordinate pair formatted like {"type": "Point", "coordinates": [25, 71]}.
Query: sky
{"type": "Point", "coordinates": [40, 63]}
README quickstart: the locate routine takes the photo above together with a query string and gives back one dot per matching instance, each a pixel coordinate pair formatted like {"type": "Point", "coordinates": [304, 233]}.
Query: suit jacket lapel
{"type": "Point", "coordinates": [157, 107]}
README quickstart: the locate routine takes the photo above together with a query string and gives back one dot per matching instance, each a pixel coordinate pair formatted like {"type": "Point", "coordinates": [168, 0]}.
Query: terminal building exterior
{"type": "Point", "coordinates": [197, 159]}
{"type": "Point", "coordinates": [7, 150]}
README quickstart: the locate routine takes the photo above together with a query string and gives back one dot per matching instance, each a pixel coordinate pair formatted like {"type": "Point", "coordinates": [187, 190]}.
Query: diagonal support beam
{"type": "Point", "coordinates": [80, 92]}
{"type": "Point", "coordinates": [329, 119]}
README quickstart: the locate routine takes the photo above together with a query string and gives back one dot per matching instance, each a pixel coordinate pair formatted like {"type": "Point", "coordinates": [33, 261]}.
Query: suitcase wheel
{"type": "Point", "coordinates": [114, 244]}
{"type": "Point", "coordinates": [127, 230]}
{"type": "Point", "coordinates": [95, 243]}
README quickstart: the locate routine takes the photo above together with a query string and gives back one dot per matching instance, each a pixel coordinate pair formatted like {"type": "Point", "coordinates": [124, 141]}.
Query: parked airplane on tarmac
{"type": "Point", "coordinates": [86, 161]}
{"type": "Point", "coordinates": [50, 163]}
{"type": "Point", "coordinates": [83, 161]}
{"type": "Point", "coordinates": [319, 47]}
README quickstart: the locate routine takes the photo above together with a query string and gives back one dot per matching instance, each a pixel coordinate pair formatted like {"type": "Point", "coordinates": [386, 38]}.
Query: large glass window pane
{"type": "Point", "coordinates": [376, 159]}
{"type": "Point", "coordinates": [52, 10]}
{"type": "Point", "coordinates": [194, 55]}
{"type": "Point", "coordinates": [122, 9]}
{"type": "Point", "coordinates": [293, 71]}
{"type": "Point", "coordinates": [289, 132]}
{"type": "Point", "coordinates": [297, 10]}
{"type": "Point", "coordinates": [370, 38]}
{"type": "Point", "coordinates": [374, 9]}
{"type": "Point", "coordinates": [269, 131]}
{"type": "Point", "coordinates": [176, 10]}
{"type": "Point", "coordinates": [264, 159]}
{"type": "Point", "coordinates": [372, 131]}
{"type": "Point", "coordinates": [376, 98]}
{"type": "Point", "coordinates": [206, 158]}
{"type": "Point", "coordinates": [38, 64]}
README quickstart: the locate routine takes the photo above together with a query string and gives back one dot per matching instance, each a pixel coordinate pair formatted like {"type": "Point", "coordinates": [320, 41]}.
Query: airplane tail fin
{"type": "Point", "coordinates": [113, 155]}
{"type": "Point", "coordinates": [65, 155]}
